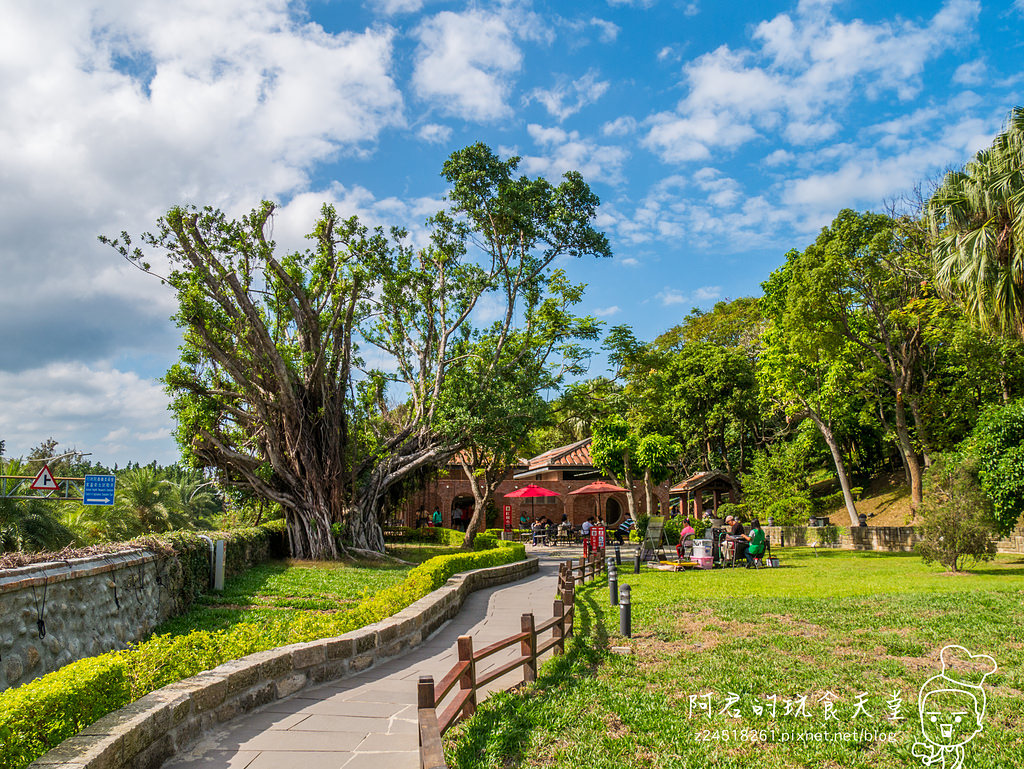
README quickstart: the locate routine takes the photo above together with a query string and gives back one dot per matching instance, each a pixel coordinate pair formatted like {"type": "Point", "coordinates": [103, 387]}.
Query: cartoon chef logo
{"type": "Point", "coordinates": [952, 706]}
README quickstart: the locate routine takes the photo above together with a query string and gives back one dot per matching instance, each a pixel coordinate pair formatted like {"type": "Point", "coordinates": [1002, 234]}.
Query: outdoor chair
{"type": "Point", "coordinates": [685, 548]}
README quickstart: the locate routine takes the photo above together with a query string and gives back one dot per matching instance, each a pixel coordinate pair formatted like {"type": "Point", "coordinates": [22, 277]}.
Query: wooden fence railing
{"type": "Point", "coordinates": [465, 675]}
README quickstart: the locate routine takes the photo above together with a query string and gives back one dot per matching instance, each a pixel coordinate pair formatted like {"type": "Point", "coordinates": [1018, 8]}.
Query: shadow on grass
{"type": "Point", "coordinates": [500, 732]}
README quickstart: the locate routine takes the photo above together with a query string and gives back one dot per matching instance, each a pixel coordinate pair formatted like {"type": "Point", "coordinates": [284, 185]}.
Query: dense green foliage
{"type": "Point", "coordinates": [77, 694]}
{"type": "Point", "coordinates": [998, 448]}
{"type": "Point", "coordinates": [840, 622]}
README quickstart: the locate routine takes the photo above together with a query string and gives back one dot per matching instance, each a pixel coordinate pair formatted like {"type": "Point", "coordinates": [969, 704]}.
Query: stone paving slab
{"type": "Point", "coordinates": [369, 720]}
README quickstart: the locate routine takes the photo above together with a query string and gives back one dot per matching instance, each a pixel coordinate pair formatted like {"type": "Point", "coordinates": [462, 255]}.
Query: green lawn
{"type": "Point", "coordinates": [286, 588]}
{"type": "Point", "coordinates": [833, 627]}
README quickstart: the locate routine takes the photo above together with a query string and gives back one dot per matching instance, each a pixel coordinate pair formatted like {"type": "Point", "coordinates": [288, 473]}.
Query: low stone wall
{"type": "Point", "coordinates": [1014, 543]}
{"type": "Point", "coordinates": [149, 731]}
{"type": "Point", "coordinates": [87, 606]}
{"type": "Point", "coordinates": [891, 538]}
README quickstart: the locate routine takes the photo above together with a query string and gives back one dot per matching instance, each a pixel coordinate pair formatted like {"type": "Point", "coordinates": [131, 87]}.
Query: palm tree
{"type": "Point", "coordinates": [143, 504]}
{"type": "Point", "coordinates": [30, 525]}
{"type": "Point", "coordinates": [977, 219]}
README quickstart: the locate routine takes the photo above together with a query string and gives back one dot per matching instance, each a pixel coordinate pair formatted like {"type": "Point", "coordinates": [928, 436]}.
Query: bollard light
{"type": "Point", "coordinates": [636, 562]}
{"type": "Point", "coordinates": [625, 618]}
{"type": "Point", "coordinates": [618, 555]}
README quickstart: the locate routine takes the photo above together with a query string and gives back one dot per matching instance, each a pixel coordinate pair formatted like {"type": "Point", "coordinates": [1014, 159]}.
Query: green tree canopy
{"type": "Point", "coordinates": [272, 389]}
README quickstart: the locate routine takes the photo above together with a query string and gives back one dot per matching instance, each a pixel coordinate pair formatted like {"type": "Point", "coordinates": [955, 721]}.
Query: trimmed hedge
{"type": "Point", "coordinates": [40, 715]}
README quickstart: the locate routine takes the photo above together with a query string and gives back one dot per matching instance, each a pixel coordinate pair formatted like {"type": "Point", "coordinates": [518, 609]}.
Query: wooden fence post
{"type": "Point", "coordinates": [558, 631]}
{"type": "Point", "coordinates": [528, 649]}
{"type": "Point", "coordinates": [431, 752]}
{"type": "Point", "coordinates": [568, 604]}
{"type": "Point", "coordinates": [468, 679]}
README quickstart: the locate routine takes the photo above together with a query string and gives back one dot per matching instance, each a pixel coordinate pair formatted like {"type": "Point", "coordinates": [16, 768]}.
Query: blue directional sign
{"type": "Point", "coordinates": [98, 490]}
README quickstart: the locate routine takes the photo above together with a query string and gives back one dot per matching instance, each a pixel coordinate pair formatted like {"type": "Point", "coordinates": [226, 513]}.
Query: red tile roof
{"type": "Point", "coordinates": [697, 480]}
{"type": "Point", "coordinates": [574, 455]}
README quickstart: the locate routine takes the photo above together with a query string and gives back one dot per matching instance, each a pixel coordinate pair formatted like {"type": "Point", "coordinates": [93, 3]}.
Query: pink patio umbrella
{"type": "Point", "coordinates": [599, 488]}
{"type": "Point", "coordinates": [531, 492]}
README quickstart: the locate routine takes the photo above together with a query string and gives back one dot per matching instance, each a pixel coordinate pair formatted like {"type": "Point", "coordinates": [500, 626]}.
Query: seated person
{"type": "Point", "coordinates": [623, 530]}
{"type": "Point", "coordinates": [736, 535]}
{"type": "Point", "coordinates": [756, 542]}
{"type": "Point", "coordinates": [686, 531]}
{"type": "Point", "coordinates": [537, 529]}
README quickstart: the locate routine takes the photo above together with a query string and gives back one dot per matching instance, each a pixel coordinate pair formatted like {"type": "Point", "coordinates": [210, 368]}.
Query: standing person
{"type": "Point", "coordinates": [587, 526]}
{"type": "Point", "coordinates": [435, 518]}
{"type": "Point", "coordinates": [457, 518]}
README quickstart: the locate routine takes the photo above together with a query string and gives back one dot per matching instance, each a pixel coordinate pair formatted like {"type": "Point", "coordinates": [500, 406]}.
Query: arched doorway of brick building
{"type": "Point", "coordinates": [464, 504]}
{"type": "Point", "coordinates": [612, 511]}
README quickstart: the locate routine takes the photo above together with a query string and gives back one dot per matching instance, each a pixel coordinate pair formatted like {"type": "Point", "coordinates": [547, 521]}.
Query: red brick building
{"type": "Point", "coordinates": [564, 469]}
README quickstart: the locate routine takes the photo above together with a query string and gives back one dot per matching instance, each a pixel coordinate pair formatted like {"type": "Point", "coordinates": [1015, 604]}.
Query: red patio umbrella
{"type": "Point", "coordinates": [531, 492]}
{"type": "Point", "coordinates": [599, 488]}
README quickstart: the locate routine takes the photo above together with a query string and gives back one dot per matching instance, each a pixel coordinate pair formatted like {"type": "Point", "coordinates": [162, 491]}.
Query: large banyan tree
{"type": "Point", "coordinates": [272, 388]}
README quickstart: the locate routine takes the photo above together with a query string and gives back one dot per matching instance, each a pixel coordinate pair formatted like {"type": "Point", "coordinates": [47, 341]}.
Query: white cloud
{"type": "Point", "coordinates": [620, 126]}
{"type": "Point", "coordinates": [606, 312]}
{"type": "Point", "coordinates": [670, 296]}
{"type": "Point", "coordinates": [608, 31]}
{"type": "Point", "coordinates": [629, 261]}
{"type": "Point", "coordinates": [464, 62]}
{"type": "Point", "coordinates": [702, 295]}
{"type": "Point", "coordinates": [393, 7]}
{"type": "Point", "coordinates": [691, 9]}
{"type": "Point", "coordinates": [568, 98]}
{"type": "Point", "coordinates": [634, 3]}
{"type": "Point", "coordinates": [86, 406]}
{"type": "Point", "coordinates": [971, 72]}
{"type": "Point", "coordinates": [778, 157]}
{"type": "Point", "coordinates": [434, 133]}
{"type": "Point", "coordinates": [721, 191]}
{"type": "Point", "coordinates": [680, 139]}
{"type": "Point", "coordinates": [124, 109]}
{"type": "Point", "coordinates": [798, 72]}
{"type": "Point", "coordinates": [568, 151]}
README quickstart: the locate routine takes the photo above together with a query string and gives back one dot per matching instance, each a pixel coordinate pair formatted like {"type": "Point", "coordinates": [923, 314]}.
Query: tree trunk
{"type": "Point", "coordinates": [482, 493]}
{"type": "Point", "coordinates": [309, 533]}
{"type": "Point", "coordinates": [648, 491]}
{"type": "Point", "coordinates": [922, 433]}
{"type": "Point", "coordinates": [837, 458]}
{"type": "Point", "coordinates": [912, 461]}
{"type": "Point", "coordinates": [630, 496]}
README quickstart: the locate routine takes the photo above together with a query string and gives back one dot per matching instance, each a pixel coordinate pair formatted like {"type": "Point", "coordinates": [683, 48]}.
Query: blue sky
{"type": "Point", "coordinates": [717, 135]}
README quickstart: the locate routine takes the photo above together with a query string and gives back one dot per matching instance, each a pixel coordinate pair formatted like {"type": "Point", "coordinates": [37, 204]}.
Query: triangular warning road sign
{"type": "Point", "coordinates": [44, 481]}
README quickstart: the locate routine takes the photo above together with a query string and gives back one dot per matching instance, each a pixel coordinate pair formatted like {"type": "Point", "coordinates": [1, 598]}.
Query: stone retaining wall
{"type": "Point", "coordinates": [88, 606]}
{"type": "Point", "coordinates": [892, 538]}
{"type": "Point", "coordinates": [149, 731]}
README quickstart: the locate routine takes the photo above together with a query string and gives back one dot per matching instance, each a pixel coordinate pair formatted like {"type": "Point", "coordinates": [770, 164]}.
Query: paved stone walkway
{"type": "Point", "coordinates": [369, 720]}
